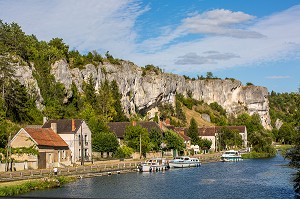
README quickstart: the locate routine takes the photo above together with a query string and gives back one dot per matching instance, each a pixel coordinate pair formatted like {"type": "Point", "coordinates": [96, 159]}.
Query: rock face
{"type": "Point", "coordinates": [142, 93]}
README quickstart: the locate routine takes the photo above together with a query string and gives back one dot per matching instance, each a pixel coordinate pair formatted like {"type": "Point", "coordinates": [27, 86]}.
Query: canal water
{"type": "Point", "coordinates": [260, 178]}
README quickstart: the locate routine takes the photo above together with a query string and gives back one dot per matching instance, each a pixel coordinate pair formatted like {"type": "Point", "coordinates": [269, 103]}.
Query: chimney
{"type": "Point", "coordinates": [133, 123]}
{"type": "Point", "coordinates": [73, 125]}
{"type": "Point", "coordinates": [54, 127]}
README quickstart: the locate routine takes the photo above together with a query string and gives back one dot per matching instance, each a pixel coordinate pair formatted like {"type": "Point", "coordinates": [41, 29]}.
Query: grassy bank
{"type": "Point", "coordinates": [254, 154]}
{"type": "Point", "coordinates": [13, 189]}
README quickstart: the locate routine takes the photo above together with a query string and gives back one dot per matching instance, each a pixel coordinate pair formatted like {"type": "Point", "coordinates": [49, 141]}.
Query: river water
{"type": "Point", "coordinates": [260, 178]}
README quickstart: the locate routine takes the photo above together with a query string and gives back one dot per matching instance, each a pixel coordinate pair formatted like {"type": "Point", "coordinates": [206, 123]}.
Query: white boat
{"type": "Point", "coordinates": [231, 156]}
{"type": "Point", "coordinates": [154, 164]}
{"type": "Point", "coordinates": [184, 161]}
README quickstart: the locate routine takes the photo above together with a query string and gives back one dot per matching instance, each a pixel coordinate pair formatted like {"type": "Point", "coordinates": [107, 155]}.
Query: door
{"type": "Point", "coordinates": [42, 160]}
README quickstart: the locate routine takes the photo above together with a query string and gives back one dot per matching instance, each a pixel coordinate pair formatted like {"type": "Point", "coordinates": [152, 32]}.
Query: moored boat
{"type": "Point", "coordinates": [154, 164]}
{"type": "Point", "coordinates": [184, 161]}
{"type": "Point", "coordinates": [231, 156]}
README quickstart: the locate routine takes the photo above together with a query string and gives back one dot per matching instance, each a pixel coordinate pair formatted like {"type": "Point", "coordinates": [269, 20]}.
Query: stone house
{"type": "Point", "coordinates": [53, 150]}
{"type": "Point", "coordinates": [211, 133]}
{"type": "Point", "coordinates": [76, 134]}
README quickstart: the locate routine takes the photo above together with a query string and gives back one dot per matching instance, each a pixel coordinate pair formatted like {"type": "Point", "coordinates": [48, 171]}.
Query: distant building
{"type": "Point", "coordinates": [76, 134]}
{"type": "Point", "coordinates": [119, 128]}
{"type": "Point", "coordinates": [211, 133]}
{"type": "Point", "coordinates": [53, 150]}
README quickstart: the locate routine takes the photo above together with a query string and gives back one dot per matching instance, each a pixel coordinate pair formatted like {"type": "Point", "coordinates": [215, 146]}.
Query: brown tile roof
{"type": "Point", "coordinates": [210, 131]}
{"type": "Point", "coordinates": [185, 137]}
{"type": "Point", "coordinates": [207, 131]}
{"type": "Point", "coordinates": [119, 127]}
{"type": "Point", "coordinates": [46, 137]}
{"type": "Point", "coordinates": [64, 125]}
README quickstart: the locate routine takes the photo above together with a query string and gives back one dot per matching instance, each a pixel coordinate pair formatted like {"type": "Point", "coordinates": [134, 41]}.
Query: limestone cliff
{"type": "Point", "coordinates": [142, 93]}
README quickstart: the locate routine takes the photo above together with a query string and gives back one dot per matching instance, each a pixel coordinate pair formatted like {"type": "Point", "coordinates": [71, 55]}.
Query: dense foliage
{"type": "Point", "coordinates": [228, 139]}
{"type": "Point", "coordinates": [259, 138]}
{"type": "Point", "coordinates": [294, 153]}
{"type": "Point", "coordinates": [134, 135]}
{"type": "Point", "coordinates": [173, 141]}
{"type": "Point", "coordinates": [17, 103]}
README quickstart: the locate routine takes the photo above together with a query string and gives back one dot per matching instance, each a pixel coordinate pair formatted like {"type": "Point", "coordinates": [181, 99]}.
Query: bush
{"type": "Point", "coordinates": [124, 152]}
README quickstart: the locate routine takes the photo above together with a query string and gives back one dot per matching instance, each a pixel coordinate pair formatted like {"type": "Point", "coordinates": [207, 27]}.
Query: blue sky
{"type": "Point", "coordinates": [255, 41]}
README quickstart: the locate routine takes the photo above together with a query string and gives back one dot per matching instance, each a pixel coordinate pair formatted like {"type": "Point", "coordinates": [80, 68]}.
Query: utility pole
{"type": "Point", "coordinates": [81, 140]}
{"type": "Point", "coordinates": [8, 154]}
{"type": "Point", "coordinates": [140, 145]}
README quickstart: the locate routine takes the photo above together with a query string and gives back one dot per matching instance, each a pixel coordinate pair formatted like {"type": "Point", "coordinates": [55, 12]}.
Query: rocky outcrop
{"type": "Point", "coordinates": [142, 93]}
{"type": "Point", "coordinates": [23, 73]}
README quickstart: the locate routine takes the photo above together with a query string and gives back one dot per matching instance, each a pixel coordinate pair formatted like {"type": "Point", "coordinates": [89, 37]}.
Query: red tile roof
{"type": "Point", "coordinates": [46, 137]}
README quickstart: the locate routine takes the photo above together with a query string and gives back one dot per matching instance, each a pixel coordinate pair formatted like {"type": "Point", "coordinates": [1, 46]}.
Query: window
{"type": "Point", "coordinates": [86, 140]}
{"type": "Point", "coordinates": [63, 154]}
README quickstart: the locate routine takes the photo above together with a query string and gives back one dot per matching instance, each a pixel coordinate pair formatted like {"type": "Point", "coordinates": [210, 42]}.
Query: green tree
{"type": "Point", "coordinates": [124, 152]}
{"type": "Point", "coordinates": [105, 101]}
{"type": "Point", "coordinates": [59, 45]}
{"type": "Point", "coordinates": [105, 142]}
{"type": "Point", "coordinates": [90, 92]}
{"type": "Point", "coordinates": [120, 116]}
{"type": "Point", "coordinates": [20, 107]}
{"type": "Point", "coordinates": [166, 111]}
{"type": "Point", "coordinates": [193, 132]}
{"type": "Point", "coordinates": [173, 141]}
{"type": "Point", "coordinates": [205, 144]}
{"type": "Point", "coordinates": [229, 138]}
{"type": "Point", "coordinates": [209, 75]}
{"type": "Point", "coordinates": [262, 143]}
{"type": "Point", "coordinates": [286, 133]}
{"type": "Point", "coordinates": [6, 73]}
{"type": "Point", "coordinates": [155, 139]}
{"type": "Point", "coordinates": [293, 154]}
{"type": "Point", "coordinates": [179, 112]}
{"type": "Point", "coordinates": [135, 134]}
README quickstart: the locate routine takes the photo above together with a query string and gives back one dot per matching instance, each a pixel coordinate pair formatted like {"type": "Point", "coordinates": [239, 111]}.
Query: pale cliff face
{"type": "Point", "coordinates": [143, 93]}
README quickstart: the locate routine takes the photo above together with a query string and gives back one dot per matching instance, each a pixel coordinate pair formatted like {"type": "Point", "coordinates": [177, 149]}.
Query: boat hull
{"type": "Point", "coordinates": [231, 159]}
{"type": "Point", "coordinates": [184, 165]}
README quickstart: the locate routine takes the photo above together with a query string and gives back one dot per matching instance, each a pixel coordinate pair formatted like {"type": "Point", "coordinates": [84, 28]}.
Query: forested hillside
{"type": "Point", "coordinates": [283, 108]}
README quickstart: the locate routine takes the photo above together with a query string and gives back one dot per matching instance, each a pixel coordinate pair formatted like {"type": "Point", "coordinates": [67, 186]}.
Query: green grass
{"type": "Point", "coordinates": [26, 186]}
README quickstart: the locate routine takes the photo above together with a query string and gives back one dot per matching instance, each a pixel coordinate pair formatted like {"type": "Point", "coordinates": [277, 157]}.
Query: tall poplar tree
{"type": "Point", "coordinates": [120, 116]}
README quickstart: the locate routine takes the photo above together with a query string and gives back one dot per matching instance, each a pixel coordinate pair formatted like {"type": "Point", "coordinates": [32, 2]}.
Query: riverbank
{"type": "Point", "coordinates": [25, 186]}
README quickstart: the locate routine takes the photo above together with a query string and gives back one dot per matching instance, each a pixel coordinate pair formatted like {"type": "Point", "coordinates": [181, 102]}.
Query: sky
{"type": "Point", "coordinates": [256, 41]}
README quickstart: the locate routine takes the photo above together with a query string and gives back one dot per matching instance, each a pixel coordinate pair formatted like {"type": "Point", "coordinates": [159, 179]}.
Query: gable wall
{"type": "Point", "coordinates": [22, 139]}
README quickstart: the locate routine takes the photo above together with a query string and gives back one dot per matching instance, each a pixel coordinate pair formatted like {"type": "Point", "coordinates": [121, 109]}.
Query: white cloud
{"type": "Point", "coordinates": [209, 57]}
{"type": "Point", "coordinates": [278, 77]}
{"type": "Point", "coordinates": [84, 25]}
{"type": "Point", "coordinates": [215, 22]}
{"type": "Point", "coordinates": [219, 22]}
{"type": "Point", "coordinates": [281, 41]}
{"type": "Point", "coordinates": [226, 38]}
